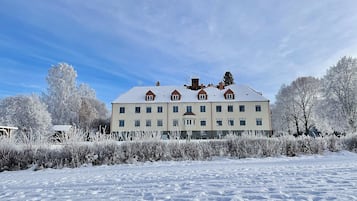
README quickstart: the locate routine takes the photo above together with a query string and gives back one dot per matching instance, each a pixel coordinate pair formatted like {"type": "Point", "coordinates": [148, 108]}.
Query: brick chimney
{"type": "Point", "coordinates": [195, 84]}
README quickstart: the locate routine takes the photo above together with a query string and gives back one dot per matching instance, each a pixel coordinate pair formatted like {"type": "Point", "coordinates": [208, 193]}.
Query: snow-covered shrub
{"type": "Point", "coordinates": [350, 142]}
{"type": "Point", "coordinates": [16, 156]}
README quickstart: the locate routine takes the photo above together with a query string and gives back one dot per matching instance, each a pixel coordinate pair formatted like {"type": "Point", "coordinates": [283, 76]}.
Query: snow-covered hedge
{"type": "Point", "coordinates": [107, 152]}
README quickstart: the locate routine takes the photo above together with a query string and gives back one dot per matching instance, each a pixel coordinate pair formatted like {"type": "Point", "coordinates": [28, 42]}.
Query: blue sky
{"type": "Point", "coordinates": [115, 45]}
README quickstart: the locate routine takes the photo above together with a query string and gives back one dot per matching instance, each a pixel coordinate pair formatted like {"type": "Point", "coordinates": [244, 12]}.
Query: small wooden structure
{"type": "Point", "coordinates": [7, 130]}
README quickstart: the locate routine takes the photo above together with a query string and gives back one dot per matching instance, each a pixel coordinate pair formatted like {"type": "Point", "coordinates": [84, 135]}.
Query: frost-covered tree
{"type": "Point", "coordinates": [62, 94]}
{"type": "Point", "coordinates": [340, 91]}
{"type": "Point", "coordinates": [305, 92]}
{"type": "Point", "coordinates": [84, 90]}
{"type": "Point", "coordinates": [27, 113]}
{"type": "Point", "coordinates": [228, 79]}
{"type": "Point", "coordinates": [91, 109]}
{"type": "Point", "coordinates": [295, 105]}
{"type": "Point", "coordinates": [69, 103]}
{"type": "Point", "coordinates": [285, 111]}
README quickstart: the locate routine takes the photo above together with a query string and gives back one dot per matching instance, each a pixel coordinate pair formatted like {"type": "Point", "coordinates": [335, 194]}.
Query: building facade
{"type": "Point", "coordinates": [194, 111]}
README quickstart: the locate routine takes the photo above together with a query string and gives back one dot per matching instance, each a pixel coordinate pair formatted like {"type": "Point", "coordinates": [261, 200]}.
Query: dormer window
{"type": "Point", "coordinates": [229, 95]}
{"type": "Point", "coordinates": [175, 96]}
{"type": "Point", "coordinates": [150, 96]}
{"type": "Point", "coordinates": [202, 95]}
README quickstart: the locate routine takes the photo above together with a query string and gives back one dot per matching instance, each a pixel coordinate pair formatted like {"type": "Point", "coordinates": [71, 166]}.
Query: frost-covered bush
{"type": "Point", "coordinates": [350, 142]}
{"type": "Point", "coordinates": [16, 156]}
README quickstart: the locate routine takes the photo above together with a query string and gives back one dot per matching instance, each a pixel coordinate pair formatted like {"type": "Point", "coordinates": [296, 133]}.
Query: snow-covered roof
{"type": "Point", "coordinates": [163, 94]}
{"type": "Point", "coordinates": [64, 128]}
{"type": "Point", "coordinates": [9, 127]}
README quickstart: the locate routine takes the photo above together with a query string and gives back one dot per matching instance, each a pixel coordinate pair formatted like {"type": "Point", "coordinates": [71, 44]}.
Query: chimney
{"type": "Point", "coordinates": [221, 86]}
{"type": "Point", "coordinates": [157, 83]}
{"type": "Point", "coordinates": [195, 84]}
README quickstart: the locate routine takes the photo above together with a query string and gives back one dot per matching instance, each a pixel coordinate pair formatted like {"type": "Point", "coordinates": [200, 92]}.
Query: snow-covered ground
{"type": "Point", "coordinates": [332, 176]}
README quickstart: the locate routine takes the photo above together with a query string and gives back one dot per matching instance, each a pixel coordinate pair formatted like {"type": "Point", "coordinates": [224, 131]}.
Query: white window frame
{"type": "Point", "coordinates": [229, 96]}
{"type": "Point", "coordinates": [175, 97]}
{"type": "Point", "coordinates": [149, 97]}
{"type": "Point", "coordinates": [137, 123]}
{"type": "Point", "coordinates": [175, 123]}
{"type": "Point", "coordinates": [257, 120]}
{"type": "Point", "coordinates": [230, 122]}
{"type": "Point", "coordinates": [121, 123]}
{"type": "Point", "coordinates": [202, 96]}
{"type": "Point", "coordinates": [160, 123]}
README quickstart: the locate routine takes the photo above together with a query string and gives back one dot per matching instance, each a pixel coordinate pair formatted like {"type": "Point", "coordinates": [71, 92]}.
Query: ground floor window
{"type": "Point", "coordinates": [259, 121]}
{"type": "Point", "coordinates": [121, 123]}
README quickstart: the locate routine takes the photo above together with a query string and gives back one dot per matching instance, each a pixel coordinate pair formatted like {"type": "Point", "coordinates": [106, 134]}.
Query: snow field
{"type": "Point", "coordinates": [332, 176]}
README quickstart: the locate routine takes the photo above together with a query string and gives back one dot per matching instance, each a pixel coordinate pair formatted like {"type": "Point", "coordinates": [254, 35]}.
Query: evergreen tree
{"type": "Point", "coordinates": [228, 78]}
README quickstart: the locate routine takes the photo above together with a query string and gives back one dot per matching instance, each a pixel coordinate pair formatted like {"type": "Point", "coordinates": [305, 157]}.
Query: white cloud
{"type": "Point", "coordinates": [263, 43]}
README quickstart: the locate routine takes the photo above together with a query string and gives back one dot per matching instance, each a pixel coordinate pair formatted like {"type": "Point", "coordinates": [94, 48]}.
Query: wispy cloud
{"type": "Point", "coordinates": [125, 43]}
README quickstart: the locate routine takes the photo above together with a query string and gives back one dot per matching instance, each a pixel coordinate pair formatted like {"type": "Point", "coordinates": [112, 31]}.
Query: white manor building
{"type": "Point", "coordinates": [196, 111]}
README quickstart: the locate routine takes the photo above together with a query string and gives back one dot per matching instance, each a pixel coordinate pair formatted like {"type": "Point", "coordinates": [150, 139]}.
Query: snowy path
{"type": "Point", "coordinates": [329, 177]}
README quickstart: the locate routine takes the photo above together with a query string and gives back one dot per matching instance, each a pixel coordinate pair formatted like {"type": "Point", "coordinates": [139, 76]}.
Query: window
{"type": "Point", "coordinates": [122, 110]}
{"type": "Point", "coordinates": [230, 108]}
{"type": "Point", "coordinates": [259, 121]}
{"type": "Point", "coordinates": [148, 109]}
{"type": "Point", "coordinates": [175, 97]}
{"type": "Point", "coordinates": [229, 96]}
{"type": "Point", "coordinates": [137, 109]}
{"type": "Point", "coordinates": [203, 123]}
{"type": "Point", "coordinates": [218, 108]}
{"type": "Point", "coordinates": [242, 122]}
{"type": "Point", "coordinates": [219, 122]}
{"type": "Point", "coordinates": [241, 108]}
{"type": "Point", "coordinates": [188, 121]}
{"type": "Point", "coordinates": [121, 123]}
{"type": "Point", "coordinates": [175, 109]}
{"type": "Point", "coordinates": [202, 96]}
{"type": "Point", "coordinates": [148, 123]}
{"type": "Point", "coordinates": [258, 108]}
{"type": "Point", "coordinates": [203, 108]}
{"type": "Point", "coordinates": [137, 123]}
{"type": "Point", "coordinates": [159, 109]}
{"type": "Point", "coordinates": [175, 122]}
{"type": "Point", "coordinates": [188, 108]}
{"type": "Point", "coordinates": [230, 122]}
{"type": "Point", "coordinates": [159, 122]}
{"type": "Point", "coordinates": [149, 97]}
